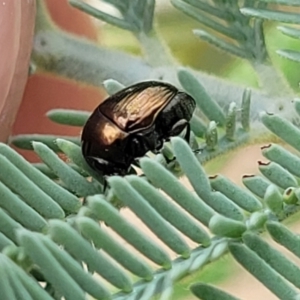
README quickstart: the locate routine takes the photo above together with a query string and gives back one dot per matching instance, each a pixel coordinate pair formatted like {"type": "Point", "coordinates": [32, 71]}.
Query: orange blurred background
{"type": "Point", "coordinates": [45, 91]}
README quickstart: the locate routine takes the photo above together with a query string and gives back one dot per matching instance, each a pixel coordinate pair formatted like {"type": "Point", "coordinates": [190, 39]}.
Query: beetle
{"type": "Point", "coordinates": [135, 120]}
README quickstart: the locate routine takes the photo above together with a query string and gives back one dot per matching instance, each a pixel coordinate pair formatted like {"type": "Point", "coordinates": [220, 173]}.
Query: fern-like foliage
{"type": "Point", "coordinates": [48, 233]}
{"type": "Point", "coordinates": [137, 16]}
{"type": "Point", "coordinates": [56, 224]}
{"type": "Point", "coordinates": [224, 17]}
{"type": "Point", "coordinates": [227, 28]}
{"type": "Point", "coordinates": [280, 15]}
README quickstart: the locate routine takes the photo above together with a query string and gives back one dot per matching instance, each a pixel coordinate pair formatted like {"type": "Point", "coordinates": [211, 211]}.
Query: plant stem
{"type": "Point", "coordinates": [155, 51]}
{"type": "Point", "coordinates": [271, 81]}
{"type": "Point", "coordinates": [83, 61]}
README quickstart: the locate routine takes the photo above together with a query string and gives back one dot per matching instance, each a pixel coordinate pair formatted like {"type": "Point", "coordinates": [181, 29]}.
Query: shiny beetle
{"type": "Point", "coordinates": [132, 122]}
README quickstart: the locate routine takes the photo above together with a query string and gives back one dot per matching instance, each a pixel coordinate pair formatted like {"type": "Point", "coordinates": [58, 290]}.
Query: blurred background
{"type": "Point", "coordinates": [46, 91]}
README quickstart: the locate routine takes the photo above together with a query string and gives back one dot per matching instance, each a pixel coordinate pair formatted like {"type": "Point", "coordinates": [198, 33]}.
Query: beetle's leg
{"type": "Point", "coordinates": [179, 126]}
{"type": "Point", "coordinates": [188, 132]}
{"type": "Point", "coordinates": [105, 167]}
{"type": "Point", "coordinates": [156, 151]}
{"type": "Point", "coordinates": [141, 143]}
{"type": "Point", "coordinates": [97, 163]}
{"type": "Point", "coordinates": [105, 185]}
{"type": "Point", "coordinates": [198, 150]}
{"type": "Point", "coordinates": [169, 160]}
{"type": "Point", "coordinates": [158, 146]}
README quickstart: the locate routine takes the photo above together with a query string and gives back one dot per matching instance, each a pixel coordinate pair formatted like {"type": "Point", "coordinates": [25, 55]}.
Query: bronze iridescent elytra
{"type": "Point", "coordinates": [138, 109]}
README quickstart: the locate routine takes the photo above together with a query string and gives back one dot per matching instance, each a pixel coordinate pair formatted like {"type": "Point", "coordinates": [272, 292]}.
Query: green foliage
{"type": "Point", "coordinates": [81, 235]}
{"type": "Point", "coordinates": [137, 16]}
{"type": "Point", "coordinates": [246, 37]}
{"type": "Point", "coordinates": [281, 16]}
{"type": "Point", "coordinates": [56, 223]}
